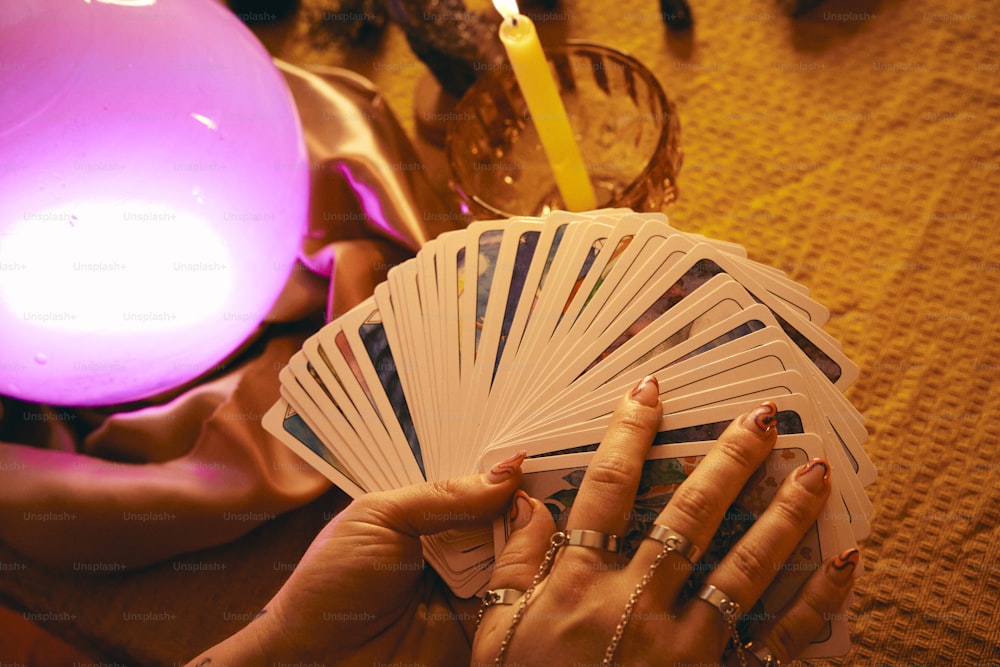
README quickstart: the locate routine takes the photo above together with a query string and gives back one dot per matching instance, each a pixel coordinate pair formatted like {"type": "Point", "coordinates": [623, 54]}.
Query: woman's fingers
{"type": "Point", "coordinates": [602, 506]}
{"type": "Point", "coordinates": [607, 492]}
{"type": "Point", "coordinates": [697, 508]}
{"type": "Point", "coordinates": [381, 532]}
{"type": "Point", "coordinates": [750, 566]}
{"type": "Point", "coordinates": [388, 525]}
{"type": "Point", "coordinates": [532, 528]}
{"type": "Point", "coordinates": [515, 568]}
{"type": "Point", "coordinates": [820, 598]}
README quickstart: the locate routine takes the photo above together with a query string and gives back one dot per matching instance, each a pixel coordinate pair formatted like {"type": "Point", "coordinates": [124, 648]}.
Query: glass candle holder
{"type": "Point", "coordinates": [627, 129]}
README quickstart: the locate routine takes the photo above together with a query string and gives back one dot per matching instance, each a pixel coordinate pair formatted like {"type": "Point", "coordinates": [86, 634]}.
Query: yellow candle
{"type": "Point", "coordinates": [520, 40]}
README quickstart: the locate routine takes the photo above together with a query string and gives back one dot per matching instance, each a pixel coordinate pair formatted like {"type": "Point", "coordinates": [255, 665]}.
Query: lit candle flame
{"type": "Point", "coordinates": [507, 8]}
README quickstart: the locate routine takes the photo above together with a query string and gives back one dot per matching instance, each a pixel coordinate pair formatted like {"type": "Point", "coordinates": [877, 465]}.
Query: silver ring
{"type": "Point", "coordinates": [675, 542]}
{"type": "Point", "coordinates": [727, 606]}
{"type": "Point", "coordinates": [592, 539]}
{"type": "Point", "coordinates": [763, 654]}
{"type": "Point", "coordinates": [497, 596]}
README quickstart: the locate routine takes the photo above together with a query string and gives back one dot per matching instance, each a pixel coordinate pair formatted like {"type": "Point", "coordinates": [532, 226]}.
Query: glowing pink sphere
{"type": "Point", "coordinates": [153, 195]}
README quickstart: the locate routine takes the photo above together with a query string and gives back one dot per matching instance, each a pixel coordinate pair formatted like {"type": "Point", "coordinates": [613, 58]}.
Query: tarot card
{"type": "Point", "coordinates": [661, 219]}
{"type": "Point", "coordinates": [330, 426]}
{"type": "Point", "coordinates": [510, 363]}
{"type": "Point", "coordinates": [310, 432]}
{"type": "Point", "coordinates": [330, 394]}
{"type": "Point", "coordinates": [543, 273]}
{"type": "Point", "coordinates": [452, 283]}
{"type": "Point", "coordinates": [467, 583]}
{"type": "Point", "coordinates": [364, 331]}
{"type": "Point", "coordinates": [829, 403]}
{"type": "Point", "coordinates": [463, 548]}
{"type": "Point", "coordinates": [286, 425]}
{"type": "Point", "coordinates": [708, 351]}
{"type": "Point", "coordinates": [765, 273]}
{"type": "Point", "coordinates": [613, 250]}
{"type": "Point", "coordinates": [848, 424]}
{"type": "Point", "coordinates": [619, 375]}
{"type": "Point", "coordinates": [719, 299]}
{"type": "Point", "coordinates": [856, 501]}
{"type": "Point", "coordinates": [773, 282]}
{"type": "Point", "coordinates": [774, 388]}
{"type": "Point", "coordinates": [653, 293]}
{"type": "Point", "coordinates": [653, 249]}
{"type": "Point", "coordinates": [483, 247]}
{"type": "Point", "coordinates": [404, 389]}
{"type": "Point", "coordinates": [760, 389]}
{"type": "Point", "coordinates": [579, 251]}
{"type": "Point", "coordinates": [413, 357]}
{"type": "Point", "coordinates": [483, 250]}
{"type": "Point", "coordinates": [431, 314]}
{"type": "Point", "coordinates": [688, 377]}
{"type": "Point", "coordinates": [463, 583]}
{"type": "Point", "coordinates": [513, 261]}
{"type": "Point", "coordinates": [699, 265]}
{"type": "Point", "coordinates": [716, 300]}
{"type": "Point", "coordinates": [588, 280]}
{"type": "Point", "coordinates": [352, 364]}
{"type": "Point", "coordinates": [514, 265]}
{"type": "Point", "coordinates": [542, 378]}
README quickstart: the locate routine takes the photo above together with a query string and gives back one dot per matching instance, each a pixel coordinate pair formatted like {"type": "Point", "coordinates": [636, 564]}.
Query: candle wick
{"type": "Point", "coordinates": [513, 21]}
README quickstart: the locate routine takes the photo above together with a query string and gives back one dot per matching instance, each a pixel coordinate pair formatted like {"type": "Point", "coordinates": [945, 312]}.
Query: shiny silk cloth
{"type": "Point", "coordinates": [196, 469]}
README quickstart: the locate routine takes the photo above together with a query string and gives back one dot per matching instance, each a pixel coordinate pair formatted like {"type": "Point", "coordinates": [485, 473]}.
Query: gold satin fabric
{"type": "Point", "coordinates": [199, 458]}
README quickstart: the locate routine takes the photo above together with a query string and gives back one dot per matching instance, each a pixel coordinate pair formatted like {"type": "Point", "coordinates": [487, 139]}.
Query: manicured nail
{"type": "Point", "coordinates": [505, 469]}
{"type": "Point", "coordinates": [762, 419]}
{"type": "Point", "coordinates": [521, 510]}
{"type": "Point", "coordinates": [814, 474]}
{"type": "Point", "coordinates": [647, 392]}
{"type": "Point", "coordinates": [841, 568]}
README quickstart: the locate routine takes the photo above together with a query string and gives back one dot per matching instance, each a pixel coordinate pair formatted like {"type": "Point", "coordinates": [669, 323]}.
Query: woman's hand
{"type": "Point", "coordinates": [574, 612]}
{"type": "Point", "coordinates": [362, 595]}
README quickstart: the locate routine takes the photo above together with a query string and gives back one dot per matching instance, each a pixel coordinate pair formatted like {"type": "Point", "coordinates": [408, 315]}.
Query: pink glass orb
{"type": "Point", "coordinates": [153, 195]}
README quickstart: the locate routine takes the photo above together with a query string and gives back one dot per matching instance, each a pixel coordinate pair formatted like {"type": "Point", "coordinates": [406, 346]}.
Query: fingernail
{"type": "Point", "coordinates": [814, 474]}
{"type": "Point", "coordinates": [647, 392]}
{"type": "Point", "coordinates": [521, 510]}
{"type": "Point", "coordinates": [762, 419]}
{"type": "Point", "coordinates": [506, 469]}
{"type": "Point", "coordinates": [841, 569]}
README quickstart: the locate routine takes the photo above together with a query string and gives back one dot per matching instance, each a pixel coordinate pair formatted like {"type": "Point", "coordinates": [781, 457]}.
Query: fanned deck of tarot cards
{"type": "Point", "coordinates": [524, 333]}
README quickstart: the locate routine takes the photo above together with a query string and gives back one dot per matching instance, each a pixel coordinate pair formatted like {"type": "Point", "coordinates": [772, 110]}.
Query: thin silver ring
{"type": "Point", "coordinates": [592, 539]}
{"type": "Point", "coordinates": [675, 542]}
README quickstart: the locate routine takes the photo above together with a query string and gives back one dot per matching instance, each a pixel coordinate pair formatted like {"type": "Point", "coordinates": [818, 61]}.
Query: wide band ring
{"type": "Point", "coordinates": [592, 539]}
{"type": "Point", "coordinates": [497, 596]}
{"type": "Point", "coordinates": [762, 653]}
{"type": "Point", "coordinates": [675, 542]}
{"type": "Point", "coordinates": [727, 606]}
